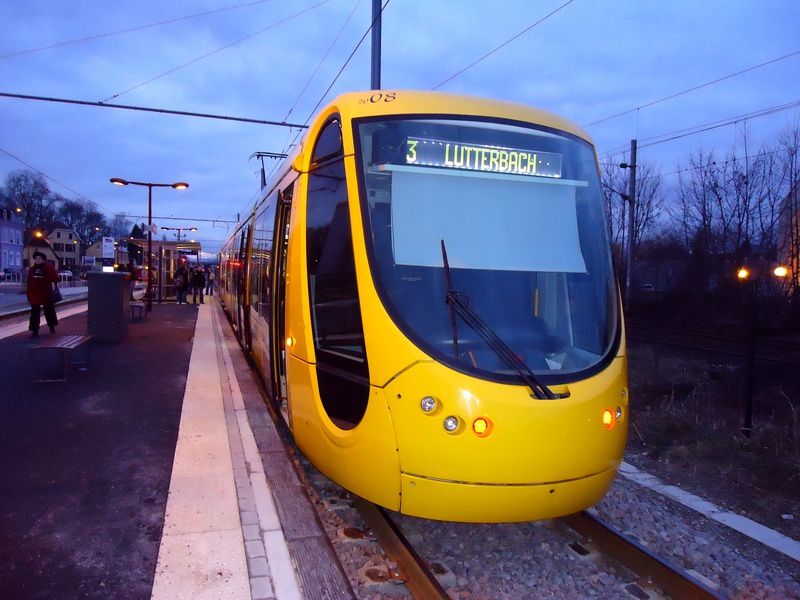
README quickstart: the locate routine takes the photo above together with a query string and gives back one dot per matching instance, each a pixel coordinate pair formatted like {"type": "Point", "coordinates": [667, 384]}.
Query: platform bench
{"type": "Point", "coordinates": [138, 312]}
{"type": "Point", "coordinates": [68, 347]}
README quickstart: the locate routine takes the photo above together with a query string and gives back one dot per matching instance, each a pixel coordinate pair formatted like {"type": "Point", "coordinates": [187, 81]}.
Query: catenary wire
{"type": "Point", "coordinates": [54, 180]}
{"type": "Point", "coordinates": [322, 60]}
{"type": "Point", "coordinates": [149, 109]}
{"type": "Point", "coordinates": [692, 89]}
{"type": "Point", "coordinates": [213, 52]}
{"type": "Point", "coordinates": [131, 29]}
{"type": "Point", "coordinates": [346, 62]}
{"type": "Point", "coordinates": [680, 133]}
{"type": "Point", "coordinates": [508, 41]}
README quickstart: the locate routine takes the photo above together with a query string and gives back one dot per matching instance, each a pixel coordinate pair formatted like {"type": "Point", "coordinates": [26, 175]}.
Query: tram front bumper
{"type": "Point", "coordinates": [494, 503]}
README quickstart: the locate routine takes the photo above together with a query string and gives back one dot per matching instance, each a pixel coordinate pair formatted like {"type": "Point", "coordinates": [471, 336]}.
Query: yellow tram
{"type": "Point", "coordinates": [426, 288]}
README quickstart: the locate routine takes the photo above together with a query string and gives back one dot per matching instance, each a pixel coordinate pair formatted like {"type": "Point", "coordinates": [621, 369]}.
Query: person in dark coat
{"type": "Point", "coordinates": [41, 277]}
{"type": "Point", "coordinates": [181, 282]}
{"type": "Point", "coordinates": [198, 284]}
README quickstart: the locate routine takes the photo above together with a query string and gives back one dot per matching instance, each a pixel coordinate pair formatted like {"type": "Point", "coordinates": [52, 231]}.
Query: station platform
{"type": "Point", "coordinates": [155, 471]}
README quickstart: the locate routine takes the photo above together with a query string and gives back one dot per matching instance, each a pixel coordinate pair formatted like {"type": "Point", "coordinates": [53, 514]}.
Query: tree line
{"type": "Point", "coordinates": [723, 210]}
{"type": "Point", "coordinates": [27, 193]}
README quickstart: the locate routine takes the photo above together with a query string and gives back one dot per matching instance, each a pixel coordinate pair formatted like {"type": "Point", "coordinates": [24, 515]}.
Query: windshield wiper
{"type": "Point", "coordinates": [458, 303]}
{"type": "Point", "coordinates": [449, 283]}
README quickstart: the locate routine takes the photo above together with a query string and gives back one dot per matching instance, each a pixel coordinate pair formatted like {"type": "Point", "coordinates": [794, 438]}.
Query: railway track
{"type": "Point", "coordinates": [422, 583]}
{"type": "Point", "coordinates": [673, 581]}
{"type": "Point", "coordinates": [734, 346]}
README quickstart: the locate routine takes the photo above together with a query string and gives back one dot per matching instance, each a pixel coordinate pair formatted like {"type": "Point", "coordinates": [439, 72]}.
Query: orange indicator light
{"type": "Point", "coordinates": [609, 420]}
{"type": "Point", "coordinates": [482, 426]}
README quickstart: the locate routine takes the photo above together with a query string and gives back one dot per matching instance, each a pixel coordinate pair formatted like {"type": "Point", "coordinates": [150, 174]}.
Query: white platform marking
{"type": "Point", "coordinates": [765, 535]}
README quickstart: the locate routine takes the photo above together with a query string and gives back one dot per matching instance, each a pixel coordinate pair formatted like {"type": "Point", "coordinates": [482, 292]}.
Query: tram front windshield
{"type": "Point", "coordinates": [518, 214]}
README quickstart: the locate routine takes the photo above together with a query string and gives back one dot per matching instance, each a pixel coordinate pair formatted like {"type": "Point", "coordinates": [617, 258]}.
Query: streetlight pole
{"type": "Point", "coordinates": [631, 218]}
{"type": "Point", "coordinates": [179, 185]}
{"type": "Point", "coordinates": [746, 275]}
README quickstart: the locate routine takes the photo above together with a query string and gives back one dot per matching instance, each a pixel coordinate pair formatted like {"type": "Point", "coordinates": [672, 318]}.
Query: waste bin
{"type": "Point", "coordinates": [108, 306]}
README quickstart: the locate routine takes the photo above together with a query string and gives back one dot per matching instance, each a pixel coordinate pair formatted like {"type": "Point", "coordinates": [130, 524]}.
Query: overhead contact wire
{"type": "Point", "coordinates": [508, 41]}
{"type": "Point", "coordinates": [130, 29]}
{"type": "Point", "coordinates": [697, 87]}
{"type": "Point", "coordinates": [349, 58]}
{"type": "Point", "coordinates": [327, 52]}
{"type": "Point", "coordinates": [218, 50]}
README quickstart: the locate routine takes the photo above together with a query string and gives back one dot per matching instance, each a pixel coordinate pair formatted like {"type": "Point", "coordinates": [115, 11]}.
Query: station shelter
{"type": "Point", "coordinates": [167, 257]}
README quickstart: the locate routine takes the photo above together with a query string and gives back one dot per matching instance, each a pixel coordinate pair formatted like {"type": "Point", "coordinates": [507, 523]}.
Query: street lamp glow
{"type": "Point", "coordinates": [179, 185]}
{"type": "Point", "coordinates": [780, 271]}
{"type": "Point", "coordinates": [743, 273]}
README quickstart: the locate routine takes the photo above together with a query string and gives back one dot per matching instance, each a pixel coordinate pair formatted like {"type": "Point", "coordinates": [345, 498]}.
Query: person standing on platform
{"type": "Point", "coordinates": [210, 280]}
{"type": "Point", "coordinates": [134, 277]}
{"type": "Point", "coordinates": [181, 282]}
{"type": "Point", "coordinates": [41, 278]}
{"type": "Point", "coordinates": [198, 284]}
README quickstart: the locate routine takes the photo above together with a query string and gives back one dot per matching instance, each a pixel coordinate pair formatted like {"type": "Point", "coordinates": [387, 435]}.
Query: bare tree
{"type": "Point", "coordinates": [119, 226]}
{"type": "Point", "coordinates": [788, 158]}
{"type": "Point", "coordinates": [648, 206]}
{"type": "Point", "coordinates": [28, 190]}
{"type": "Point", "coordinates": [649, 202]}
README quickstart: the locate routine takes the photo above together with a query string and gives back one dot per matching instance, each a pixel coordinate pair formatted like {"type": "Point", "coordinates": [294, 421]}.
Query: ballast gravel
{"type": "Point", "coordinates": [548, 560]}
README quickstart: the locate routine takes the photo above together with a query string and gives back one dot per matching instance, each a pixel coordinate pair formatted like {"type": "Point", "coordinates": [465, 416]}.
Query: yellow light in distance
{"type": "Point", "coordinates": [780, 271]}
{"type": "Point", "coordinates": [743, 273]}
{"type": "Point", "coordinates": [482, 426]}
{"type": "Point", "coordinates": [608, 419]}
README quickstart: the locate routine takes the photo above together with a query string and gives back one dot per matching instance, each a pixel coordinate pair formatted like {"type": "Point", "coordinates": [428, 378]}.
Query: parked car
{"type": "Point", "coordinates": [65, 275]}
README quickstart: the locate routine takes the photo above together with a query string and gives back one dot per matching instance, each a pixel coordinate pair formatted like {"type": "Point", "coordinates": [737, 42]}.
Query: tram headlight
{"type": "Point", "coordinates": [428, 404]}
{"type": "Point", "coordinates": [451, 424]}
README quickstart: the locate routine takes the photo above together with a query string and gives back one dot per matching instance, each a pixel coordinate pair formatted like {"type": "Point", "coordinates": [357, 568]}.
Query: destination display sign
{"type": "Point", "coordinates": [478, 157]}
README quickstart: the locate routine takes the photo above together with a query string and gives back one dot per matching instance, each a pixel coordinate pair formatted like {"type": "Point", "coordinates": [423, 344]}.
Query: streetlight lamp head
{"type": "Point", "coordinates": [780, 271]}
{"type": "Point", "coordinates": [180, 185]}
{"type": "Point", "coordinates": [119, 181]}
{"type": "Point", "coordinates": [193, 229]}
{"type": "Point", "coordinates": [743, 273]}
{"type": "Point", "coordinates": [165, 228]}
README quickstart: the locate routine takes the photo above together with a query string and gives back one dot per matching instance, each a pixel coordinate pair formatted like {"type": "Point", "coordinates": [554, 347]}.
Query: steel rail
{"type": "Point", "coordinates": [672, 580]}
{"type": "Point", "coordinates": [420, 581]}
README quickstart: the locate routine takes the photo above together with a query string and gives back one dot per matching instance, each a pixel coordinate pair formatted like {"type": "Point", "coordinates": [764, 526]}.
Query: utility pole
{"type": "Point", "coordinates": [375, 80]}
{"type": "Point", "coordinates": [631, 215]}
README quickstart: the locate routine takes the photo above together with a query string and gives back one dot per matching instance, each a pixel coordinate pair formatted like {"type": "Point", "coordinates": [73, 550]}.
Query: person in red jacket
{"type": "Point", "coordinates": [41, 277]}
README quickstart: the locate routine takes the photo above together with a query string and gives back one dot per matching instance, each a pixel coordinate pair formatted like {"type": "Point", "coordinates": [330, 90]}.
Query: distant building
{"type": "Point", "coordinates": [789, 234]}
{"type": "Point", "coordinates": [11, 246]}
{"type": "Point", "coordinates": [67, 246]}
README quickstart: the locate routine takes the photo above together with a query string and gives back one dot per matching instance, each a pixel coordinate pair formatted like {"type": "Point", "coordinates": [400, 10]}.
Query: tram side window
{"type": "Point", "coordinates": [261, 263]}
{"type": "Point", "coordinates": [335, 310]}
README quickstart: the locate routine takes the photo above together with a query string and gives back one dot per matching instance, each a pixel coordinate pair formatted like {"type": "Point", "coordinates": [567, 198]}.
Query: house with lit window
{"type": "Point", "coordinates": [66, 245]}
{"type": "Point", "coordinates": [11, 246]}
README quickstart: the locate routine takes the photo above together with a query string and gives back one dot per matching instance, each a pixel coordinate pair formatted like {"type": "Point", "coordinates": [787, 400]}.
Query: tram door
{"type": "Point", "coordinates": [242, 314]}
{"type": "Point", "coordinates": [278, 341]}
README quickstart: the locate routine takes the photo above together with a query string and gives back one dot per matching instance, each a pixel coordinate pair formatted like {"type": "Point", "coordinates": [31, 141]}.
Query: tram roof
{"type": "Point", "coordinates": [414, 102]}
